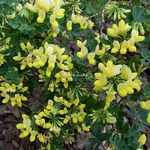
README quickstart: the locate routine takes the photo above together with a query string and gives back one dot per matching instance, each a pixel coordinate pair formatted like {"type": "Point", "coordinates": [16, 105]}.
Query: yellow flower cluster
{"type": "Point", "coordinates": [130, 82]}
{"type": "Point", "coordinates": [121, 30]}
{"type": "Point", "coordinates": [56, 114]}
{"type": "Point", "coordinates": [108, 71]}
{"type": "Point", "coordinates": [120, 75]}
{"type": "Point", "coordinates": [78, 19]}
{"type": "Point", "coordinates": [43, 8]}
{"type": "Point", "coordinates": [45, 59]}
{"type": "Point", "coordinates": [27, 129]}
{"type": "Point", "coordinates": [75, 115]}
{"type": "Point", "coordinates": [13, 93]}
{"type": "Point", "coordinates": [64, 77]}
{"type": "Point", "coordinates": [49, 55]}
{"type": "Point", "coordinates": [91, 56]}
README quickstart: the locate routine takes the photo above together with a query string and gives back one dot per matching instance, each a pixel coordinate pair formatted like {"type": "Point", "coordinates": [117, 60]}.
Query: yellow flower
{"type": "Point", "coordinates": [131, 45]}
{"type": "Point", "coordinates": [32, 136]}
{"type": "Point", "coordinates": [47, 125]}
{"type": "Point", "coordinates": [136, 37]}
{"type": "Point", "coordinates": [128, 86]}
{"type": "Point", "coordinates": [75, 18]}
{"type": "Point", "coordinates": [18, 57]}
{"type": "Point", "coordinates": [121, 90]}
{"type": "Point", "coordinates": [145, 104]}
{"type": "Point", "coordinates": [50, 105]}
{"type": "Point", "coordinates": [51, 87]}
{"type": "Point", "coordinates": [110, 96]}
{"type": "Point", "coordinates": [99, 51]}
{"type": "Point", "coordinates": [136, 84]}
{"type": "Point", "coordinates": [64, 111]}
{"type": "Point", "coordinates": [76, 101]}
{"type": "Point", "coordinates": [110, 69]}
{"type": "Point", "coordinates": [6, 99]}
{"type": "Point", "coordinates": [58, 99]}
{"type": "Point", "coordinates": [29, 47]}
{"type": "Point", "coordinates": [53, 21]}
{"type": "Point", "coordinates": [85, 128]}
{"type": "Point", "coordinates": [91, 57]}
{"type": "Point", "coordinates": [90, 24]}
{"type": "Point", "coordinates": [80, 118]}
{"type": "Point", "coordinates": [74, 118]}
{"type": "Point", "coordinates": [17, 100]}
{"type": "Point", "coordinates": [40, 122]}
{"type": "Point", "coordinates": [24, 134]}
{"type": "Point", "coordinates": [127, 74]}
{"type": "Point", "coordinates": [100, 83]}
{"type": "Point", "coordinates": [78, 129]}
{"type": "Point", "coordinates": [116, 47]}
{"type": "Point", "coordinates": [58, 12]}
{"type": "Point", "coordinates": [84, 50]}
{"type": "Point", "coordinates": [67, 118]}
{"type": "Point", "coordinates": [123, 27]}
{"type": "Point", "coordinates": [31, 7]}
{"type": "Point", "coordinates": [111, 119]}
{"type": "Point", "coordinates": [69, 25]}
{"type": "Point", "coordinates": [40, 137]}
{"type": "Point", "coordinates": [113, 31]}
{"type": "Point", "coordinates": [124, 47]}
{"type": "Point", "coordinates": [142, 140]}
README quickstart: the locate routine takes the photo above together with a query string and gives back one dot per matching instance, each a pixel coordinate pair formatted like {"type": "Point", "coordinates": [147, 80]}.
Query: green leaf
{"type": "Point", "coordinates": [90, 10]}
{"type": "Point", "coordinates": [12, 76]}
{"type": "Point", "coordinates": [125, 127]}
{"type": "Point", "coordinates": [10, 1]}
{"type": "Point", "coordinates": [8, 8]}
{"type": "Point", "coordinates": [21, 28]}
{"type": "Point", "coordinates": [2, 2]}
{"type": "Point", "coordinates": [134, 128]}
{"type": "Point", "coordinates": [91, 144]}
{"type": "Point", "coordinates": [134, 59]}
{"type": "Point", "coordinates": [90, 103]}
{"type": "Point", "coordinates": [3, 69]}
{"type": "Point", "coordinates": [145, 54]}
{"type": "Point", "coordinates": [99, 105]}
{"type": "Point", "coordinates": [13, 24]}
{"type": "Point", "coordinates": [75, 27]}
{"type": "Point", "coordinates": [118, 142]}
{"type": "Point", "coordinates": [139, 14]}
{"type": "Point", "coordinates": [106, 42]}
{"type": "Point", "coordinates": [96, 129]}
{"type": "Point", "coordinates": [104, 136]}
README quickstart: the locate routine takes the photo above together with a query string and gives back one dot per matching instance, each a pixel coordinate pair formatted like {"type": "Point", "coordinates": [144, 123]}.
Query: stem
{"type": "Point", "coordinates": [119, 103]}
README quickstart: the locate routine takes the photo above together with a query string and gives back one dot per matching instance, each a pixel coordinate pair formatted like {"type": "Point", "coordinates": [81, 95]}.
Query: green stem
{"type": "Point", "coordinates": [119, 103]}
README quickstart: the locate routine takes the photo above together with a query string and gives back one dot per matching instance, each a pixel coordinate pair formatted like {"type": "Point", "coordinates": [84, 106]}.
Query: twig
{"type": "Point", "coordinates": [100, 11]}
